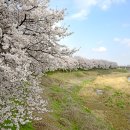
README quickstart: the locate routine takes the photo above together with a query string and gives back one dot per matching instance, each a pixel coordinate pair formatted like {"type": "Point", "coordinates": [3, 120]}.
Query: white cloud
{"type": "Point", "coordinates": [85, 3]}
{"type": "Point", "coordinates": [103, 4]}
{"type": "Point", "coordinates": [106, 4]}
{"type": "Point", "coordinates": [99, 49]}
{"type": "Point", "coordinates": [125, 41]}
{"type": "Point", "coordinates": [82, 14]}
{"type": "Point", "coordinates": [85, 6]}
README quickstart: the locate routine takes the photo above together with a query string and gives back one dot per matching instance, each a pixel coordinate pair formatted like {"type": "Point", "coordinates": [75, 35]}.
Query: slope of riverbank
{"type": "Point", "coordinates": [92, 100]}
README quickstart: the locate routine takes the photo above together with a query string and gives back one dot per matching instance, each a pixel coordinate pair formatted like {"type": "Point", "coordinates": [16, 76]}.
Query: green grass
{"type": "Point", "coordinates": [72, 111]}
{"type": "Point", "coordinates": [69, 111]}
{"type": "Point", "coordinates": [121, 70]}
{"type": "Point", "coordinates": [117, 99]}
{"type": "Point", "coordinates": [28, 126]}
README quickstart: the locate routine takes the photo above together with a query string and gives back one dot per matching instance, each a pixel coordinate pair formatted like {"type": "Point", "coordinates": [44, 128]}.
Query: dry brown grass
{"type": "Point", "coordinates": [114, 103]}
{"type": "Point", "coordinates": [115, 80]}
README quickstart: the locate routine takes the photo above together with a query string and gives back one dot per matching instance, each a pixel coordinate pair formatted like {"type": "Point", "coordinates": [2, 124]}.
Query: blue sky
{"type": "Point", "coordinates": [101, 28]}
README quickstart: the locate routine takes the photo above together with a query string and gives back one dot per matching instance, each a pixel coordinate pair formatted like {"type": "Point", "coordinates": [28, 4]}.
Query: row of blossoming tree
{"type": "Point", "coordinates": [69, 63]}
{"type": "Point", "coordinates": [29, 46]}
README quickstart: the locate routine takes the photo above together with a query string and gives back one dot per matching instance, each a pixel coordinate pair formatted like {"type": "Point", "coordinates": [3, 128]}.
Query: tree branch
{"type": "Point", "coordinates": [31, 8]}
{"type": "Point", "coordinates": [22, 21]}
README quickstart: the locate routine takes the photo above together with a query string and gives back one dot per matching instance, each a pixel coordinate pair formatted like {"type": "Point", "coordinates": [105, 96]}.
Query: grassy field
{"type": "Point", "coordinates": [85, 100]}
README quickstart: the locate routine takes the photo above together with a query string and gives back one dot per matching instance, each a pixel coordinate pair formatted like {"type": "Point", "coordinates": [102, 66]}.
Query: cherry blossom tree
{"type": "Point", "coordinates": [87, 64]}
{"type": "Point", "coordinates": [29, 46]}
{"type": "Point", "coordinates": [29, 37]}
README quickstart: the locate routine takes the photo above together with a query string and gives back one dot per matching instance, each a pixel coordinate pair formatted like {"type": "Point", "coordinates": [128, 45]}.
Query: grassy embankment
{"type": "Point", "coordinates": [85, 100]}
